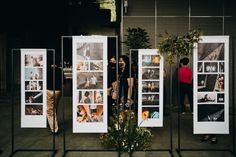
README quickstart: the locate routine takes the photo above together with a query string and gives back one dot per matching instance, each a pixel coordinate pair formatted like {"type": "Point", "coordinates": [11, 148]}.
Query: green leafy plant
{"type": "Point", "coordinates": [137, 38]}
{"type": "Point", "coordinates": [124, 135]}
{"type": "Point", "coordinates": [175, 46]}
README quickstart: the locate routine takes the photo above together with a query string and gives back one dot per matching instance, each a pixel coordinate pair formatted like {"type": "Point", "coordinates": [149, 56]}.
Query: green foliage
{"type": "Point", "coordinates": [137, 38]}
{"type": "Point", "coordinates": [176, 46]}
{"type": "Point", "coordinates": [124, 135]}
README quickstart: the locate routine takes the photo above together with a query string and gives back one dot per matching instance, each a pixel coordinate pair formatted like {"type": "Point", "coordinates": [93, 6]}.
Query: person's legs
{"type": "Point", "coordinates": [182, 97]}
{"type": "Point", "coordinates": [50, 107]}
{"type": "Point", "coordinates": [190, 96]}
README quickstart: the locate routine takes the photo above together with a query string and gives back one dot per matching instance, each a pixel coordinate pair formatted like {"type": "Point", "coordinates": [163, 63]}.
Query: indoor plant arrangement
{"type": "Point", "coordinates": [124, 135]}
{"type": "Point", "coordinates": [174, 46]}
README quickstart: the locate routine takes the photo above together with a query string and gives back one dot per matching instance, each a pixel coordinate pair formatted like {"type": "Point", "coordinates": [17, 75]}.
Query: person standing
{"type": "Point", "coordinates": [185, 82]}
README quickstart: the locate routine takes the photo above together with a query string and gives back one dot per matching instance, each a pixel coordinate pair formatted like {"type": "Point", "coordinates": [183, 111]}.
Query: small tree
{"type": "Point", "coordinates": [137, 38]}
{"type": "Point", "coordinates": [176, 46]}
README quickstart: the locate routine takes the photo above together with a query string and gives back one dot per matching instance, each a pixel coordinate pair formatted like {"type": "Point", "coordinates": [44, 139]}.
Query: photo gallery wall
{"type": "Point", "coordinates": [211, 86]}
{"type": "Point", "coordinates": [89, 84]}
{"type": "Point", "coordinates": [150, 87]}
{"type": "Point", "coordinates": [33, 88]}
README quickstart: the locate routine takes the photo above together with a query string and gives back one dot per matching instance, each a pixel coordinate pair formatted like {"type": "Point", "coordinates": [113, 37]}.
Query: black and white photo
{"type": "Point", "coordinates": [211, 113]}
{"type": "Point", "coordinates": [211, 67]}
{"type": "Point", "coordinates": [206, 97]}
{"type": "Point", "coordinates": [210, 51]}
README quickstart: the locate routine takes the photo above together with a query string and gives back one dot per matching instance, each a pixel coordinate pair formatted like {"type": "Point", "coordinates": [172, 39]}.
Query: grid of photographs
{"type": "Point", "coordinates": [33, 88]}
{"type": "Point", "coordinates": [150, 86]}
{"type": "Point", "coordinates": [211, 80]}
{"type": "Point", "coordinates": [33, 79]}
{"type": "Point", "coordinates": [89, 67]}
{"type": "Point", "coordinates": [211, 85]}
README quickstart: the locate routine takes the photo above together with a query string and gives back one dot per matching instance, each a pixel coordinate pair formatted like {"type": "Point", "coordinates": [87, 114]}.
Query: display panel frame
{"type": "Point", "coordinates": [153, 114]}
{"type": "Point", "coordinates": [33, 98]}
{"type": "Point", "coordinates": [81, 45]}
{"type": "Point", "coordinates": [211, 81]}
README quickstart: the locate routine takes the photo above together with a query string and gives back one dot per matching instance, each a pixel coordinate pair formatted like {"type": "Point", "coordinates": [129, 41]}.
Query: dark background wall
{"type": "Point", "coordinates": [40, 24]}
{"type": "Point", "coordinates": [213, 17]}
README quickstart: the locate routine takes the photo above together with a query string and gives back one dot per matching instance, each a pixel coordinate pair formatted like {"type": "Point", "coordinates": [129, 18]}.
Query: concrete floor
{"type": "Point", "coordinates": [41, 138]}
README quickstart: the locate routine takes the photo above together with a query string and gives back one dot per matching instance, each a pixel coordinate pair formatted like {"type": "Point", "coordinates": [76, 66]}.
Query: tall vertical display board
{"type": "Point", "coordinates": [211, 85]}
{"type": "Point", "coordinates": [89, 84]}
{"type": "Point", "coordinates": [33, 88]}
{"type": "Point", "coordinates": [150, 87]}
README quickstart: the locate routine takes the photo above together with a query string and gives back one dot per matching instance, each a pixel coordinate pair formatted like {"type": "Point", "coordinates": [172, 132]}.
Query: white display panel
{"type": "Point", "coordinates": [33, 88]}
{"type": "Point", "coordinates": [150, 87]}
{"type": "Point", "coordinates": [89, 84]}
{"type": "Point", "coordinates": [211, 85]}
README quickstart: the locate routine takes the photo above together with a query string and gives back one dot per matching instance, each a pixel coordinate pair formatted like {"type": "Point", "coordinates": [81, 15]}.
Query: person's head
{"type": "Point", "coordinates": [86, 94]}
{"type": "Point", "coordinates": [185, 61]}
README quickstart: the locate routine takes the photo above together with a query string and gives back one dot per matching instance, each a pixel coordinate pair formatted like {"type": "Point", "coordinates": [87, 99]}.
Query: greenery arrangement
{"type": "Point", "coordinates": [124, 135]}
{"type": "Point", "coordinates": [175, 46]}
{"type": "Point", "coordinates": [137, 38]}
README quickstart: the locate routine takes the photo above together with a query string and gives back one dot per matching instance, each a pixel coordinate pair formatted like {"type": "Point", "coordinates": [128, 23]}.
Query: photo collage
{"type": "Point", "coordinates": [150, 79]}
{"type": "Point", "coordinates": [210, 82]}
{"type": "Point", "coordinates": [33, 84]}
{"type": "Point", "coordinates": [89, 82]}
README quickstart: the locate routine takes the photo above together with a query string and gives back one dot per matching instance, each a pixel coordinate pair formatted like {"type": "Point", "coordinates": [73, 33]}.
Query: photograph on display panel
{"type": "Point", "coordinates": [221, 67]}
{"type": "Point", "coordinates": [200, 67]}
{"type": "Point", "coordinates": [150, 99]}
{"type": "Point", "coordinates": [34, 110]}
{"type": "Point", "coordinates": [96, 66]}
{"type": "Point", "coordinates": [89, 101]}
{"type": "Point", "coordinates": [212, 113]}
{"type": "Point", "coordinates": [150, 113]}
{"type": "Point", "coordinates": [210, 51]}
{"type": "Point", "coordinates": [82, 66]}
{"type": "Point", "coordinates": [89, 113]}
{"type": "Point", "coordinates": [206, 97]}
{"type": "Point", "coordinates": [150, 73]}
{"type": "Point", "coordinates": [33, 73]}
{"type": "Point", "coordinates": [33, 60]}
{"type": "Point", "coordinates": [89, 51]}
{"type": "Point", "coordinates": [210, 67]}
{"type": "Point", "coordinates": [90, 80]}
{"type": "Point", "coordinates": [33, 97]}
{"type": "Point", "coordinates": [150, 86]}
{"type": "Point", "coordinates": [210, 82]}
{"type": "Point", "coordinates": [85, 97]}
{"type": "Point", "coordinates": [151, 60]}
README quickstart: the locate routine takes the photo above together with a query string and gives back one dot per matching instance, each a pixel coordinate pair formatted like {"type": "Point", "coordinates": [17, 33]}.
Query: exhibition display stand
{"type": "Point", "coordinates": [66, 149]}
{"type": "Point", "coordinates": [231, 150]}
{"type": "Point", "coordinates": [170, 148]}
{"type": "Point", "coordinates": [14, 149]}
